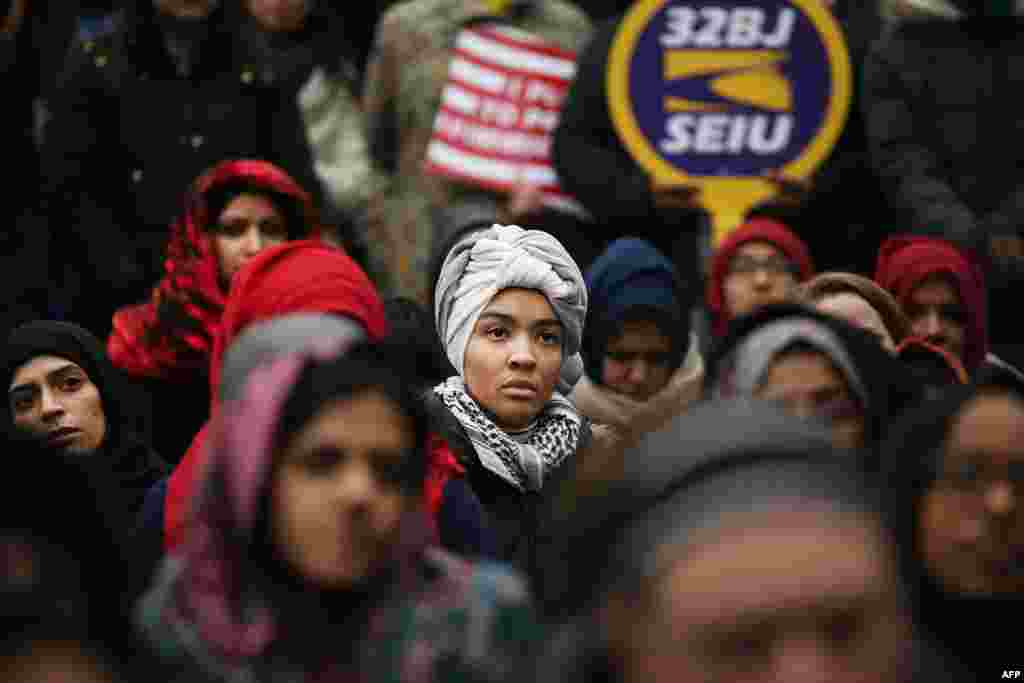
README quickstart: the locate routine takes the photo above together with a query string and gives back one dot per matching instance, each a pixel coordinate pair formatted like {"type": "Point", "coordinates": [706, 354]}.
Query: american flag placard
{"type": "Point", "coordinates": [498, 111]}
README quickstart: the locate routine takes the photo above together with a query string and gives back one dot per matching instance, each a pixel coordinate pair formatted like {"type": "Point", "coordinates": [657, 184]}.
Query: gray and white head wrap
{"type": "Point", "coordinates": [502, 257]}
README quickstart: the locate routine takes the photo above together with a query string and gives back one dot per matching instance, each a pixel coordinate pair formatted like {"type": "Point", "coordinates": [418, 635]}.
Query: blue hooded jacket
{"type": "Point", "coordinates": [632, 280]}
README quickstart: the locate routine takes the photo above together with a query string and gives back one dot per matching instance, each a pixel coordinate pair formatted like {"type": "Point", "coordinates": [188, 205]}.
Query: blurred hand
{"type": "Point", "coordinates": [525, 200]}
{"type": "Point", "coordinates": [676, 197]}
{"type": "Point", "coordinates": [1006, 247]}
{"type": "Point", "coordinates": [791, 192]}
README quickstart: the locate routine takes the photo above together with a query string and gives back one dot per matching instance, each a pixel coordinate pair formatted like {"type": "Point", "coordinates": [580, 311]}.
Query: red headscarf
{"type": "Point", "coordinates": [173, 333]}
{"type": "Point", "coordinates": [297, 277]}
{"type": "Point", "coordinates": [905, 261]}
{"type": "Point", "coordinates": [754, 230]}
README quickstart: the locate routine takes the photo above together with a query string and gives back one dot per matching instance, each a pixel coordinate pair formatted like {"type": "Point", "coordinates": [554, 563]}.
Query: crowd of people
{"type": "Point", "coordinates": [302, 410]}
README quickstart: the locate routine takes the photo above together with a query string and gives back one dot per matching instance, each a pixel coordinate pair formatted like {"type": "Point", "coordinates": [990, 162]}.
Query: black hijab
{"type": "Point", "coordinates": [64, 574]}
{"type": "Point", "coordinates": [129, 464]}
{"type": "Point", "coordinates": [966, 627]}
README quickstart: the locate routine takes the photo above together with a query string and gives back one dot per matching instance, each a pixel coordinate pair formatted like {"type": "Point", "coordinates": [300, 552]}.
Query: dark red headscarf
{"type": "Point", "coordinates": [905, 261]}
{"type": "Point", "coordinates": [297, 277]}
{"type": "Point", "coordinates": [754, 230]}
{"type": "Point", "coordinates": [172, 334]}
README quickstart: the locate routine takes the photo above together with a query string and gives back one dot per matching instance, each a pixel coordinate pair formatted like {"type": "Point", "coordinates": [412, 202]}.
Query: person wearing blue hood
{"type": "Point", "coordinates": [642, 363]}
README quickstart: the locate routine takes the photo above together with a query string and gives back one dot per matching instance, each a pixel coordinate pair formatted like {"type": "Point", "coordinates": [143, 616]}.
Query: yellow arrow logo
{"type": "Point", "coordinates": [750, 77]}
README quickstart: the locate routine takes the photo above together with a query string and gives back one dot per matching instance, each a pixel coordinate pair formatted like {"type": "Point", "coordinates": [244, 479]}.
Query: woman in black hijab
{"type": "Point", "coordinates": [64, 393]}
{"type": "Point", "coordinates": [955, 473]}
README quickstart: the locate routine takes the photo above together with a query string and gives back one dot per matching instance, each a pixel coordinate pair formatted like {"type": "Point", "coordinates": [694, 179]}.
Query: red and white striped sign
{"type": "Point", "coordinates": [498, 110]}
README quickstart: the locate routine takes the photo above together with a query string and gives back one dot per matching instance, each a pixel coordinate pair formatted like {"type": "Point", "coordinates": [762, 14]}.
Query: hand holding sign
{"type": "Point", "coordinates": [788, 191]}
{"type": "Point", "coordinates": [676, 197]}
{"type": "Point", "coordinates": [738, 98]}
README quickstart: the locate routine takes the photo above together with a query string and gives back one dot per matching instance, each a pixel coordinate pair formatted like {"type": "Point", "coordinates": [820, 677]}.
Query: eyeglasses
{"type": "Point", "coordinates": [773, 265]}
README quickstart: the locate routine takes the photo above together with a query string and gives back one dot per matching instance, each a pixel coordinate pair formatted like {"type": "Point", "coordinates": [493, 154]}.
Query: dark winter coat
{"type": "Point", "coordinates": [123, 459]}
{"type": "Point", "coordinates": [520, 524]}
{"type": "Point", "coordinates": [843, 230]}
{"type": "Point", "coordinates": [131, 128]}
{"type": "Point", "coordinates": [942, 135]}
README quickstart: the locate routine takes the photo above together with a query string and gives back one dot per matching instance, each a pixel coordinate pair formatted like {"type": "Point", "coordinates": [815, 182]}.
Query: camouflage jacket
{"type": "Point", "coordinates": [407, 73]}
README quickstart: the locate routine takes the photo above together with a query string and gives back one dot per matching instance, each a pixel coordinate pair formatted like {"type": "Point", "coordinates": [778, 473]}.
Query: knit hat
{"type": "Point", "coordinates": [904, 262]}
{"type": "Point", "coordinates": [754, 230]}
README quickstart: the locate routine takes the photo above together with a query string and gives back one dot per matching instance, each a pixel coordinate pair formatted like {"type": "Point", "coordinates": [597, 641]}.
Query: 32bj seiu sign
{"type": "Point", "coordinates": [728, 88]}
{"type": "Point", "coordinates": [498, 110]}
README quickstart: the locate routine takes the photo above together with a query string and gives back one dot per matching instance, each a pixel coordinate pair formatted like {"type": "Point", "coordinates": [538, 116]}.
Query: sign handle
{"type": "Point", "coordinates": [727, 201]}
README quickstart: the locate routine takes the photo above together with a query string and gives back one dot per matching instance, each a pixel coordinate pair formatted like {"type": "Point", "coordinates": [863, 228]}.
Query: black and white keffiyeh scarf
{"type": "Point", "coordinates": [522, 461]}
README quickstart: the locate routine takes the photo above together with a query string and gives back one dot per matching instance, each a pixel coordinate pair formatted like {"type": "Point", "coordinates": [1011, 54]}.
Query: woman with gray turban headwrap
{"type": "Point", "coordinates": [509, 308]}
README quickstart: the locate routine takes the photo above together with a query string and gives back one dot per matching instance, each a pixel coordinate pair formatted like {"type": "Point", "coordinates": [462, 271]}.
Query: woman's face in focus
{"type": "Point", "coordinates": [514, 357]}
{"type": "Point", "coordinates": [55, 401]}
{"type": "Point", "coordinates": [972, 518]}
{"type": "Point", "coordinates": [340, 490]}
{"type": "Point", "coordinates": [855, 310]}
{"type": "Point", "coordinates": [792, 595]}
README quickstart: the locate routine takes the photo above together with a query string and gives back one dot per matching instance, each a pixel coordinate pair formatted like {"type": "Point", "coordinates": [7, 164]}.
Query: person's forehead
{"type": "Point", "coordinates": [936, 289]}
{"type": "Point", "coordinates": [365, 418]}
{"type": "Point", "coordinates": [40, 367]}
{"type": "Point", "coordinates": [250, 202]}
{"type": "Point", "coordinates": [640, 331]}
{"type": "Point", "coordinates": [758, 249]}
{"type": "Point", "coordinates": [786, 559]}
{"type": "Point", "coordinates": [521, 305]}
{"type": "Point", "coordinates": [798, 366]}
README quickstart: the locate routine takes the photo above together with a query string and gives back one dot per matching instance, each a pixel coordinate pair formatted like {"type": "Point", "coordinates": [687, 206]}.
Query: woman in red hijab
{"type": "Point", "coordinates": [942, 290]}
{"type": "Point", "coordinates": [299, 277]}
{"type": "Point", "coordinates": [232, 212]}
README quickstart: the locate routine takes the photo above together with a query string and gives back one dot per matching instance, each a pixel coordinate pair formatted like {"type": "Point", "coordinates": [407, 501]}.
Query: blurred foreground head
{"type": "Point", "coordinates": [748, 550]}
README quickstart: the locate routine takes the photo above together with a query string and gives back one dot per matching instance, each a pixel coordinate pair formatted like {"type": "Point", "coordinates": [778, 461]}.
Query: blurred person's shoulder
{"type": "Point", "coordinates": [491, 605]}
{"type": "Point", "coordinates": [567, 16]}
{"type": "Point", "coordinates": [418, 16]}
{"type": "Point", "coordinates": [923, 23]}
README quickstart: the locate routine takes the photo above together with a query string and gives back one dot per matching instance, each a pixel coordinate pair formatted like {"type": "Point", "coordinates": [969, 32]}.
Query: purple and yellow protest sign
{"type": "Point", "coordinates": [716, 94]}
